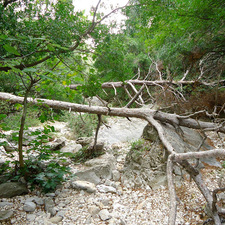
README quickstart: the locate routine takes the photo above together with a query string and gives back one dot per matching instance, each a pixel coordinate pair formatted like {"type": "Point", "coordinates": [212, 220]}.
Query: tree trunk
{"type": "Point", "coordinates": [142, 113]}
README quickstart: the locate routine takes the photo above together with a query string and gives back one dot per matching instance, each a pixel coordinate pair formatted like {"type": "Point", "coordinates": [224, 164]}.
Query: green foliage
{"type": "Point", "coordinates": [47, 177]}
{"type": "Point", "coordinates": [176, 30]}
{"type": "Point", "coordinates": [41, 168]}
{"type": "Point", "coordinates": [120, 57]}
{"type": "Point", "coordinates": [16, 24]}
{"type": "Point", "coordinates": [4, 167]}
{"type": "Point", "coordinates": [81, 125]}
{"type": "Point", "coordinates": [9, 83]}
{"type": "Point", "coordinates": [140, 145]}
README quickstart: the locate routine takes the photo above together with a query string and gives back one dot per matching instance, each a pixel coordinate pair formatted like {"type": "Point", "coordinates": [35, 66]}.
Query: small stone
{"type": "Point", "coordinates": [93, 210]}
{"type": "Point", "coordinates": [104, 189]}
{"type": "Point", "coordinates": [50, 195]}
{"type": "Point", "coordinates": [116, 175]}
{"type": "Point", "coordinates": [5, 215]}
{"type": "Point", "coordinates": [104, 214]}
{"type": "Point", "coordinates": [84, 185]}
{"type": "Point", "coordinates": [29, 206]}
{"type": "Point", "coordinates": [61, 205]}
{"type": "Point", "coordinates": [55, 219]}
{"type": "Point", "coordinates": [141, 205]}
{"type": "Point", "coordinates": [61, 213]}
{"type": "Point", "coordinates": [105, 202]}
{"type": "Point", "coordinates": [31, 217]}
{"type": "Point", "coordinates": [50, 206]}
{"type": "Point", "coordinates": [89, 220]}
{"type": "Point", "coordinates": [39, 201]}
{"type": "Point", "coordinates": [122, 222]}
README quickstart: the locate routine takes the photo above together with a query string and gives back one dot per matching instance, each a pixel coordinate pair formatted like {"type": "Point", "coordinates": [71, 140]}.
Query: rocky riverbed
{"type": "Point", "coordinates": [97, 194]}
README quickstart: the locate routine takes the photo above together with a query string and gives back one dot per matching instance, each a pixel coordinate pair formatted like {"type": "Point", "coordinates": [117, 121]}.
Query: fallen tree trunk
{"type": "Point", "coordinates": [142, 113]}
{"type": "Point", "coordinates": [156, 118]}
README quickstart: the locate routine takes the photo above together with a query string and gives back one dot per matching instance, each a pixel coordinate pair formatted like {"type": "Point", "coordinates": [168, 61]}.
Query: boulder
{"type": "Point", "coordinates": [55, 219]}
{"type": "Point", "coordinates": [84, 141]}
{"type": "Point", "coordinates": [121, 130]}
{"type": "Point", "coordinates": [88, 175]}
{"type": "Point", "coordinates": [11, 189]}
{"type": "Point", "coordinates": [71, 147]}
{"type": "Point", "coordinates": [99, 147]}
{"type": "Point", "coordinates": [97, 169]}
{"type": "Point", "coordinates": [148, 167]}
{"type": "Point", "coordinates": [57, 145]}
{"type": "Point", "coordinates": [106, 189]}
{"type": "Point", "coordinates": [105, 215]}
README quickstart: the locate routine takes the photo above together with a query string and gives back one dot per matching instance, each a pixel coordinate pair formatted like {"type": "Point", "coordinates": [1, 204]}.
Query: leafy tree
{"type": "Point", "coordinates": [37, 47]}
{"type": "Point", "coordinates": [175, 30]}
{"type": "Point", "coordinates": [119, 57]}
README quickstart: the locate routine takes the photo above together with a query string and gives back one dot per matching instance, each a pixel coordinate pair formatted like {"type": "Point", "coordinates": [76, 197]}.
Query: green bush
{"type": "Point", "coordinates": [46, 177]}
{"type": "Point", "coordinates": [41, 170]}
{"type": "Point", "coordinates": [140, 145]}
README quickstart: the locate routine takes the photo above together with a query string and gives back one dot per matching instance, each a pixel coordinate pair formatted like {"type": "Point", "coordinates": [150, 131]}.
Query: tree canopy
{"type": "Point", "coordinates": [181, 31]}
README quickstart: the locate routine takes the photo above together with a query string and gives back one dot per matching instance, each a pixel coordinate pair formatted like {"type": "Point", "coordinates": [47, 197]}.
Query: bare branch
{"type": "Point", "coordinates": [185, 75]}
{"type": "Point", "coordinates": [135, 97]}
{"type": "Point", "coordinates": [199, 155]}
{"type": "Point", "coordinates": [135, 90]}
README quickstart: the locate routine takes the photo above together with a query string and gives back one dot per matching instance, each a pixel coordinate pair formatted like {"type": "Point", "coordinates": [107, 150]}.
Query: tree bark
{"type": "Point", "coordinates": [142, 113]}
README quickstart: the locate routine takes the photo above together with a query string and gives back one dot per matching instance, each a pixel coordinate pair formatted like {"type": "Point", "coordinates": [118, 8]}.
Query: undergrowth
{"type": "Point", "coordinates": [41, 168]}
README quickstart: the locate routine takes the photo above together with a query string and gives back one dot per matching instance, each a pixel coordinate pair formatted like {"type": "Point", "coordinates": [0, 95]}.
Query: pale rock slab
{"type": "Point", "coordinates": [105, 215]}
{"type": "Point", "coordinates": [84, 185]}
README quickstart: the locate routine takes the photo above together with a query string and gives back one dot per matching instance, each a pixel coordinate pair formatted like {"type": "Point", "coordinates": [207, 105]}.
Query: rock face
{"type": "Point", "coordinates": [122, 130]}
{"type": "Point", "coordinates": [147, 168]}
{"type": "Point", "coordinates": [97, 169]}
{"type": "Point", "coordinates": [11, 189]}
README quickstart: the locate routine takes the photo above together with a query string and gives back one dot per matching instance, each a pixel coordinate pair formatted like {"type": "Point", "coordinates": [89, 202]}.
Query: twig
{"type": "Point", "coordinates": [171, 187]}
{"type": "Point", "coordinates": [96, 132]}
{"type": "Point", "coordinates": [135, 90]}
{"type": "Point", "coordinates": [135, 97]}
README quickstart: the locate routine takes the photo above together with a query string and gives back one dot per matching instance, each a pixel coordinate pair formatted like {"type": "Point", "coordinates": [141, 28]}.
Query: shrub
{"type": "Point", "coordinates": [41, 169]}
